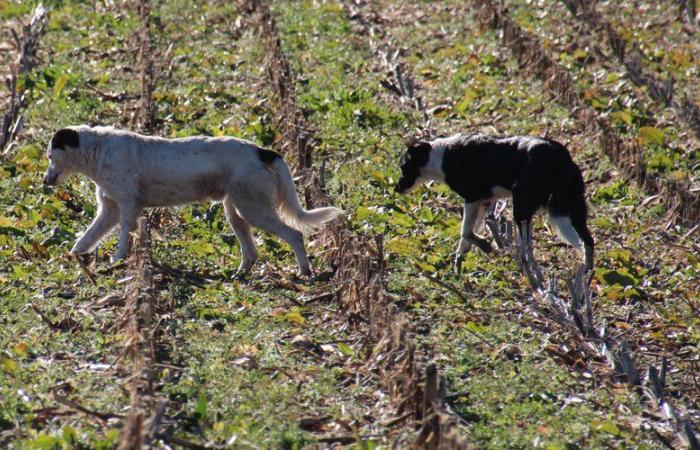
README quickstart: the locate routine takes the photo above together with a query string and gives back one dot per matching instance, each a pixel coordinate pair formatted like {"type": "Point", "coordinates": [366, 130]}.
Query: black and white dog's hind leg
{"type": "Point", "coordinates": [472, 218]}
{"type": "Point", "coordinates": [529, 195]}
{"type": "Point", "coordinates": [567, 214]}
{"type": "Point", "coordinates": [571, 228]}
{"type": "Point", "coordinates": [527, 259]}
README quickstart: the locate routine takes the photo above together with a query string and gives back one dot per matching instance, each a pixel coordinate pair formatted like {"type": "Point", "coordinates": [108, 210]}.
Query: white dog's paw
{"type": "Point", "coordinates": [77, 250]}
{"type": "Point", "coordinates": [241, 274]}
{"type": "Point", "coordinates": [244, 268]}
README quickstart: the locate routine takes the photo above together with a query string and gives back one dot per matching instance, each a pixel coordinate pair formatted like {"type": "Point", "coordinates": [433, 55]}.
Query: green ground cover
{"type": "Point", "coordinates": [75, 356]}
{"type": "Point", "coordinates": [244, 367]}
{"type": "Point", "coordinates": [670, 48]}
{"type": "Point", "coordinates": [366, 145]}
{"type": "Point", "coordinates": [669, 146]}
{"type": "Point", "coordinates": [236, 369]}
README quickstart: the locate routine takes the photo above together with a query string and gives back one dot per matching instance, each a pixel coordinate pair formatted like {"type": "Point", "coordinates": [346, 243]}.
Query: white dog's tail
{"type": "Point", "coordinates": [290, 209]}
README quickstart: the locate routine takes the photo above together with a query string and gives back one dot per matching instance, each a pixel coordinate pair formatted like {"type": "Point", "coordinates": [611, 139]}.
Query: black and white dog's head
{"type": "Point", "coordinates": [412, 162]}
{"type": "Point", "coordinates": [61, 156]}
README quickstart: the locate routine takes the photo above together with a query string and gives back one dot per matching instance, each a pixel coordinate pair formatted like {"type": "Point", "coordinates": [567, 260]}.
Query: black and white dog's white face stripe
{"type": "Point", "coordinates": [536, 172]}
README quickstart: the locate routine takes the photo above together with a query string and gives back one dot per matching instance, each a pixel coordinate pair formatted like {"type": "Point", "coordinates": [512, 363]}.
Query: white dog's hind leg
{"type": "Point", "coordinates": [106, 219]}
{"type": "Point", "coordinates": [262, 214]}
{"type": "Point", "coordinates": [128, 215]}
{"type": "Point", "coordinates": [245, 238]}
{"type": "Point", "coordinates": [295, 239]}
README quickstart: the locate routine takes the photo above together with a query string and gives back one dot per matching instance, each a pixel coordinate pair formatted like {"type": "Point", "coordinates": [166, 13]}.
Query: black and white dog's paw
{"type": "Point", "coordinates": [483, 244]}
{"type": "Point", "coordinates": [457, 265]}
{"type": "Point", "coordinates": [117, 258]}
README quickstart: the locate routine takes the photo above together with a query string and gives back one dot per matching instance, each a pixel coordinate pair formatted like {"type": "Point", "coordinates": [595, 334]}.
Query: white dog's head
{"type": "Point", "coordinates": [61, 153]}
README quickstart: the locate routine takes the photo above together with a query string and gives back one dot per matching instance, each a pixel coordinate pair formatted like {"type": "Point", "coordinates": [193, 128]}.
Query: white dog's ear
{"type": "Point", "coordinates": [65, 138]}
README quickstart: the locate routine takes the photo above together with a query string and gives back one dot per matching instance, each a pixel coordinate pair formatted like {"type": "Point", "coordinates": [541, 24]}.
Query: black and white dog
{"type": "Point", "coordinates": [480, 168]}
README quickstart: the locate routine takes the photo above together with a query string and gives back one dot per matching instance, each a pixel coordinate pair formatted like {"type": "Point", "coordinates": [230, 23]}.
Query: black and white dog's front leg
{"type": "Point", "coordinates": [472, 217]}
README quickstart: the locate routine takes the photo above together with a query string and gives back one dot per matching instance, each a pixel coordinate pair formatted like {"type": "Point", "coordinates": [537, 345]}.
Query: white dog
{"type": "Point", "coordinates": [132, 171]}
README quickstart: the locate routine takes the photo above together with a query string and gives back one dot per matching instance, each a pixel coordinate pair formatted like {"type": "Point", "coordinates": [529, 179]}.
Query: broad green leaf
{"type": "Point", "coordinates": [60, 84]}
{"type": "Point", "coordinates": [618, 277]}
{"type": "Point", "coordinates": [402, 220]}
{"type": "Point", "coordinates": [45, 442]}
{"type": "Point", "coordinates": [347, 351]}
{"type": "Point", "coordinates": [580, 54]}
{"type": "Point", "coordinates": [378, 176]}
{"type": "Point", "coordinates": [426, 267]}
{"type": "Point", "coordinates": [469, 96]}
{"type": "Point", "coordinates": [473, 326]}
{"type": "Point", "coordinates": [401, 246]}
{"type": "Point", "coordinates": [69, 434]}
{"type": "Point", "coordinates": [622, 117]}
{"type": "Point", "coordinates": [362, 212]}
{"type": "Point", "coordinates": [201, 408]}
{"type": "Point", "coordinates": [606, 427]}
{"type": "Point", "coordinates": [8, 365]}
{"type": "Point", "coordinates": [599, 103]}
{"type": "Point", "coordinates": [426, 215]}
{"type": "Point", "coordinates": [651, 135]}
{"type": "Point", "coordinates": [295, 318]}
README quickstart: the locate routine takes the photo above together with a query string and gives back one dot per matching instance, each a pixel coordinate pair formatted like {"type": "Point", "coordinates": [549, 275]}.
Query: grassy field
{"type": "Point", "coordinates": [262, 362]}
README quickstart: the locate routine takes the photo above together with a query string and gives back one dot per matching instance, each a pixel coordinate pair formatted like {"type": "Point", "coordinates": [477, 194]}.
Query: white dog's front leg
{"type": "Point", "coordinates": [127, 221]}
{"type": "Point", "coordinates": [106, 218]}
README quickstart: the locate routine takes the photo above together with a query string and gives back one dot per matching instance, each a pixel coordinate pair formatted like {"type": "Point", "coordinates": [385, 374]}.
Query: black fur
{"type": "Point", "coordinates": [542, 174]}
{"type": "Point", "coordinates": [537, 173]}
{"type": "Point", "coordinates": [65, 138]}
{"type": "Point", "coordinates": [267, 156]}
{"type": "Point", "coordinates": [416, 156]}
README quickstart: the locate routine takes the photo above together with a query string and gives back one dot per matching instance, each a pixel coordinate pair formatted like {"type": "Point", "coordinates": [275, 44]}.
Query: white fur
{"type": "Point", "coordinates": [565, 230]}
{"type": "Point", "coordinates": [132, 171]}
{"type": "Point", "coordinates": [433, 170]}
{"type": "Point", "coordinates": [498, 192]}
{"type": "Point", "coordinates": [473, 217]}
{"type": "Point", "coordinates": [290, 210]}
{"type": "Point", "coordinates": [524, 142]}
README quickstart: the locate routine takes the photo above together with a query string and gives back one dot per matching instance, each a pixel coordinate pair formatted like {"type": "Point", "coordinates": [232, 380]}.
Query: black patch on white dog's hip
{"type": "Point", "coordinates": [65, 138]}
{"type": "Point", "coordinates": [268, 156]}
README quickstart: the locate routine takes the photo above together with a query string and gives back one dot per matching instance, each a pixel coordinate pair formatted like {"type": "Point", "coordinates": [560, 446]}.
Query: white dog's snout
{"type": "Point", "coordinates": [51, 176]}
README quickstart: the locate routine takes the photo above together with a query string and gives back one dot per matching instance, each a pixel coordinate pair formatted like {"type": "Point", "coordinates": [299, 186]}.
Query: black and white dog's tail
{"type": "Point", "coordinates": [567, 211]}
{"type": "Point", "coordinates": [290, 209]}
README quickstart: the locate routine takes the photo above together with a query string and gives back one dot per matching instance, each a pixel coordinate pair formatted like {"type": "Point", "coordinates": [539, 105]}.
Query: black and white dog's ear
{"type": "Point", "coordinates": [420, 146]}
{"type": "Point", "coordinates": [64, 138]}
